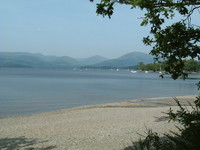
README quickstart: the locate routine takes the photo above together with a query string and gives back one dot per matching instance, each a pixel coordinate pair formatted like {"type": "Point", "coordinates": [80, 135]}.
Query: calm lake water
{"type": "Point", "coordinates": [28, 91]}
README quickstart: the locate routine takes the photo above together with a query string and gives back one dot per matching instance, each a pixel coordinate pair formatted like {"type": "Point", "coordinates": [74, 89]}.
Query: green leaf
{"type": "Point", "coordinates": [144, 22]}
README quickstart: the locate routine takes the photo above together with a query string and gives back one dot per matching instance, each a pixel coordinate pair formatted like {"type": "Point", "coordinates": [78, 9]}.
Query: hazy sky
{"type": "Point", "coordinates": [69, 28]}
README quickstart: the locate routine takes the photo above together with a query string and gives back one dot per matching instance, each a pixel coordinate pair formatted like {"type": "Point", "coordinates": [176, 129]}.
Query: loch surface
{"type": "Point", "coordinates": [27, 91]}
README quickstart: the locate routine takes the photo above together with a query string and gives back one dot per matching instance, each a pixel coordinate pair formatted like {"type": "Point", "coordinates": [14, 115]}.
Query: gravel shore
{"type": "Point", "coordinates": [110, 126]}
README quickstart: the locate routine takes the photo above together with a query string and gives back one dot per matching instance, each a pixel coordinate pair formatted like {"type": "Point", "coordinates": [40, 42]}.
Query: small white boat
{"type": "Point", "coordinates": [132, 71]}
{"type": "Point", "coordinates": [146, 71]}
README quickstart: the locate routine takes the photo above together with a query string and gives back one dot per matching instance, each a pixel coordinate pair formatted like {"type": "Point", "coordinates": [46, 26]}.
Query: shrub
{"type": "Point", "coordinates": [187, 139]}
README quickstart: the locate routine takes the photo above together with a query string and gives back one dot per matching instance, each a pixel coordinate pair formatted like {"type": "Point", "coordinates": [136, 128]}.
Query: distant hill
{"type": "Point", "coordinates": [130, 59]}
{"type": "Point", "coordinates": [21, 59]}
{"type": "Point", "coordinates": [92, 60]}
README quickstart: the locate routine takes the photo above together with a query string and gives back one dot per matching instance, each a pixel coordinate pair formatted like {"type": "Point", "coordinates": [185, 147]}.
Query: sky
{"type": "Point", "coordinates": [69, 28]}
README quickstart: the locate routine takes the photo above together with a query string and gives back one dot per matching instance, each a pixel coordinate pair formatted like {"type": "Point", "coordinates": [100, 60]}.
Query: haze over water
{"type": "Point", "coordinates": [28, 91]}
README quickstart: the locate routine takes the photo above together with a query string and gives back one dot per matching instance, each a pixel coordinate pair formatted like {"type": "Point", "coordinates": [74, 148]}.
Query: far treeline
{"type": "Point", "coordinates": [190, 66]}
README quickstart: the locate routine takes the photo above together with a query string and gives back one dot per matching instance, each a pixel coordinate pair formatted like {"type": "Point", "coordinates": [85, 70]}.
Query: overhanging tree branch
{"type": "Point", "coordinates": [173, 43]}
{"type": "Point", "coordinates": [157, 3]}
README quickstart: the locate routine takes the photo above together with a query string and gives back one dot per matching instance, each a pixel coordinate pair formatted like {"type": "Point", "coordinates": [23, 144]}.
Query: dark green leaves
{"type": "Point", "coordinates": [175, 43]}
{"type": "Point", "coordinates": [105, 8]}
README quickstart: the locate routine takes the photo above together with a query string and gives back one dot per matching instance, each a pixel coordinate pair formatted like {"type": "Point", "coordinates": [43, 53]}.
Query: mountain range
{"type": "Point", "coordinates": [23, 59]}
{"type": "Point", "coordinates": [130, 59]}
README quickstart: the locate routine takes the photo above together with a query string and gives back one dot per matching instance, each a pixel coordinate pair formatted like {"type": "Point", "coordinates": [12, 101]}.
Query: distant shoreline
{"type": "Point", "coordinates": [89, 68]}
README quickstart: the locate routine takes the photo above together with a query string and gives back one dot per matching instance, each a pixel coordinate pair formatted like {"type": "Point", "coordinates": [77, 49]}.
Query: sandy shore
{"type": "Point", "coordinates": [110, 126]}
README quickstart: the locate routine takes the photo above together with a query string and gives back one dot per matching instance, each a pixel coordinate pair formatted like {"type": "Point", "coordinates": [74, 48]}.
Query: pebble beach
{"type": "Point", "coordinates": [112, 126]}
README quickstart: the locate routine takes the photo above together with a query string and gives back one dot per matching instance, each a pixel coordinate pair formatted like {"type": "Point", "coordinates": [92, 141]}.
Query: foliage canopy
{"type": "Point", "coordinates": [173, 43]}
{"type": "Point", "coordinates": [190, 66]}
